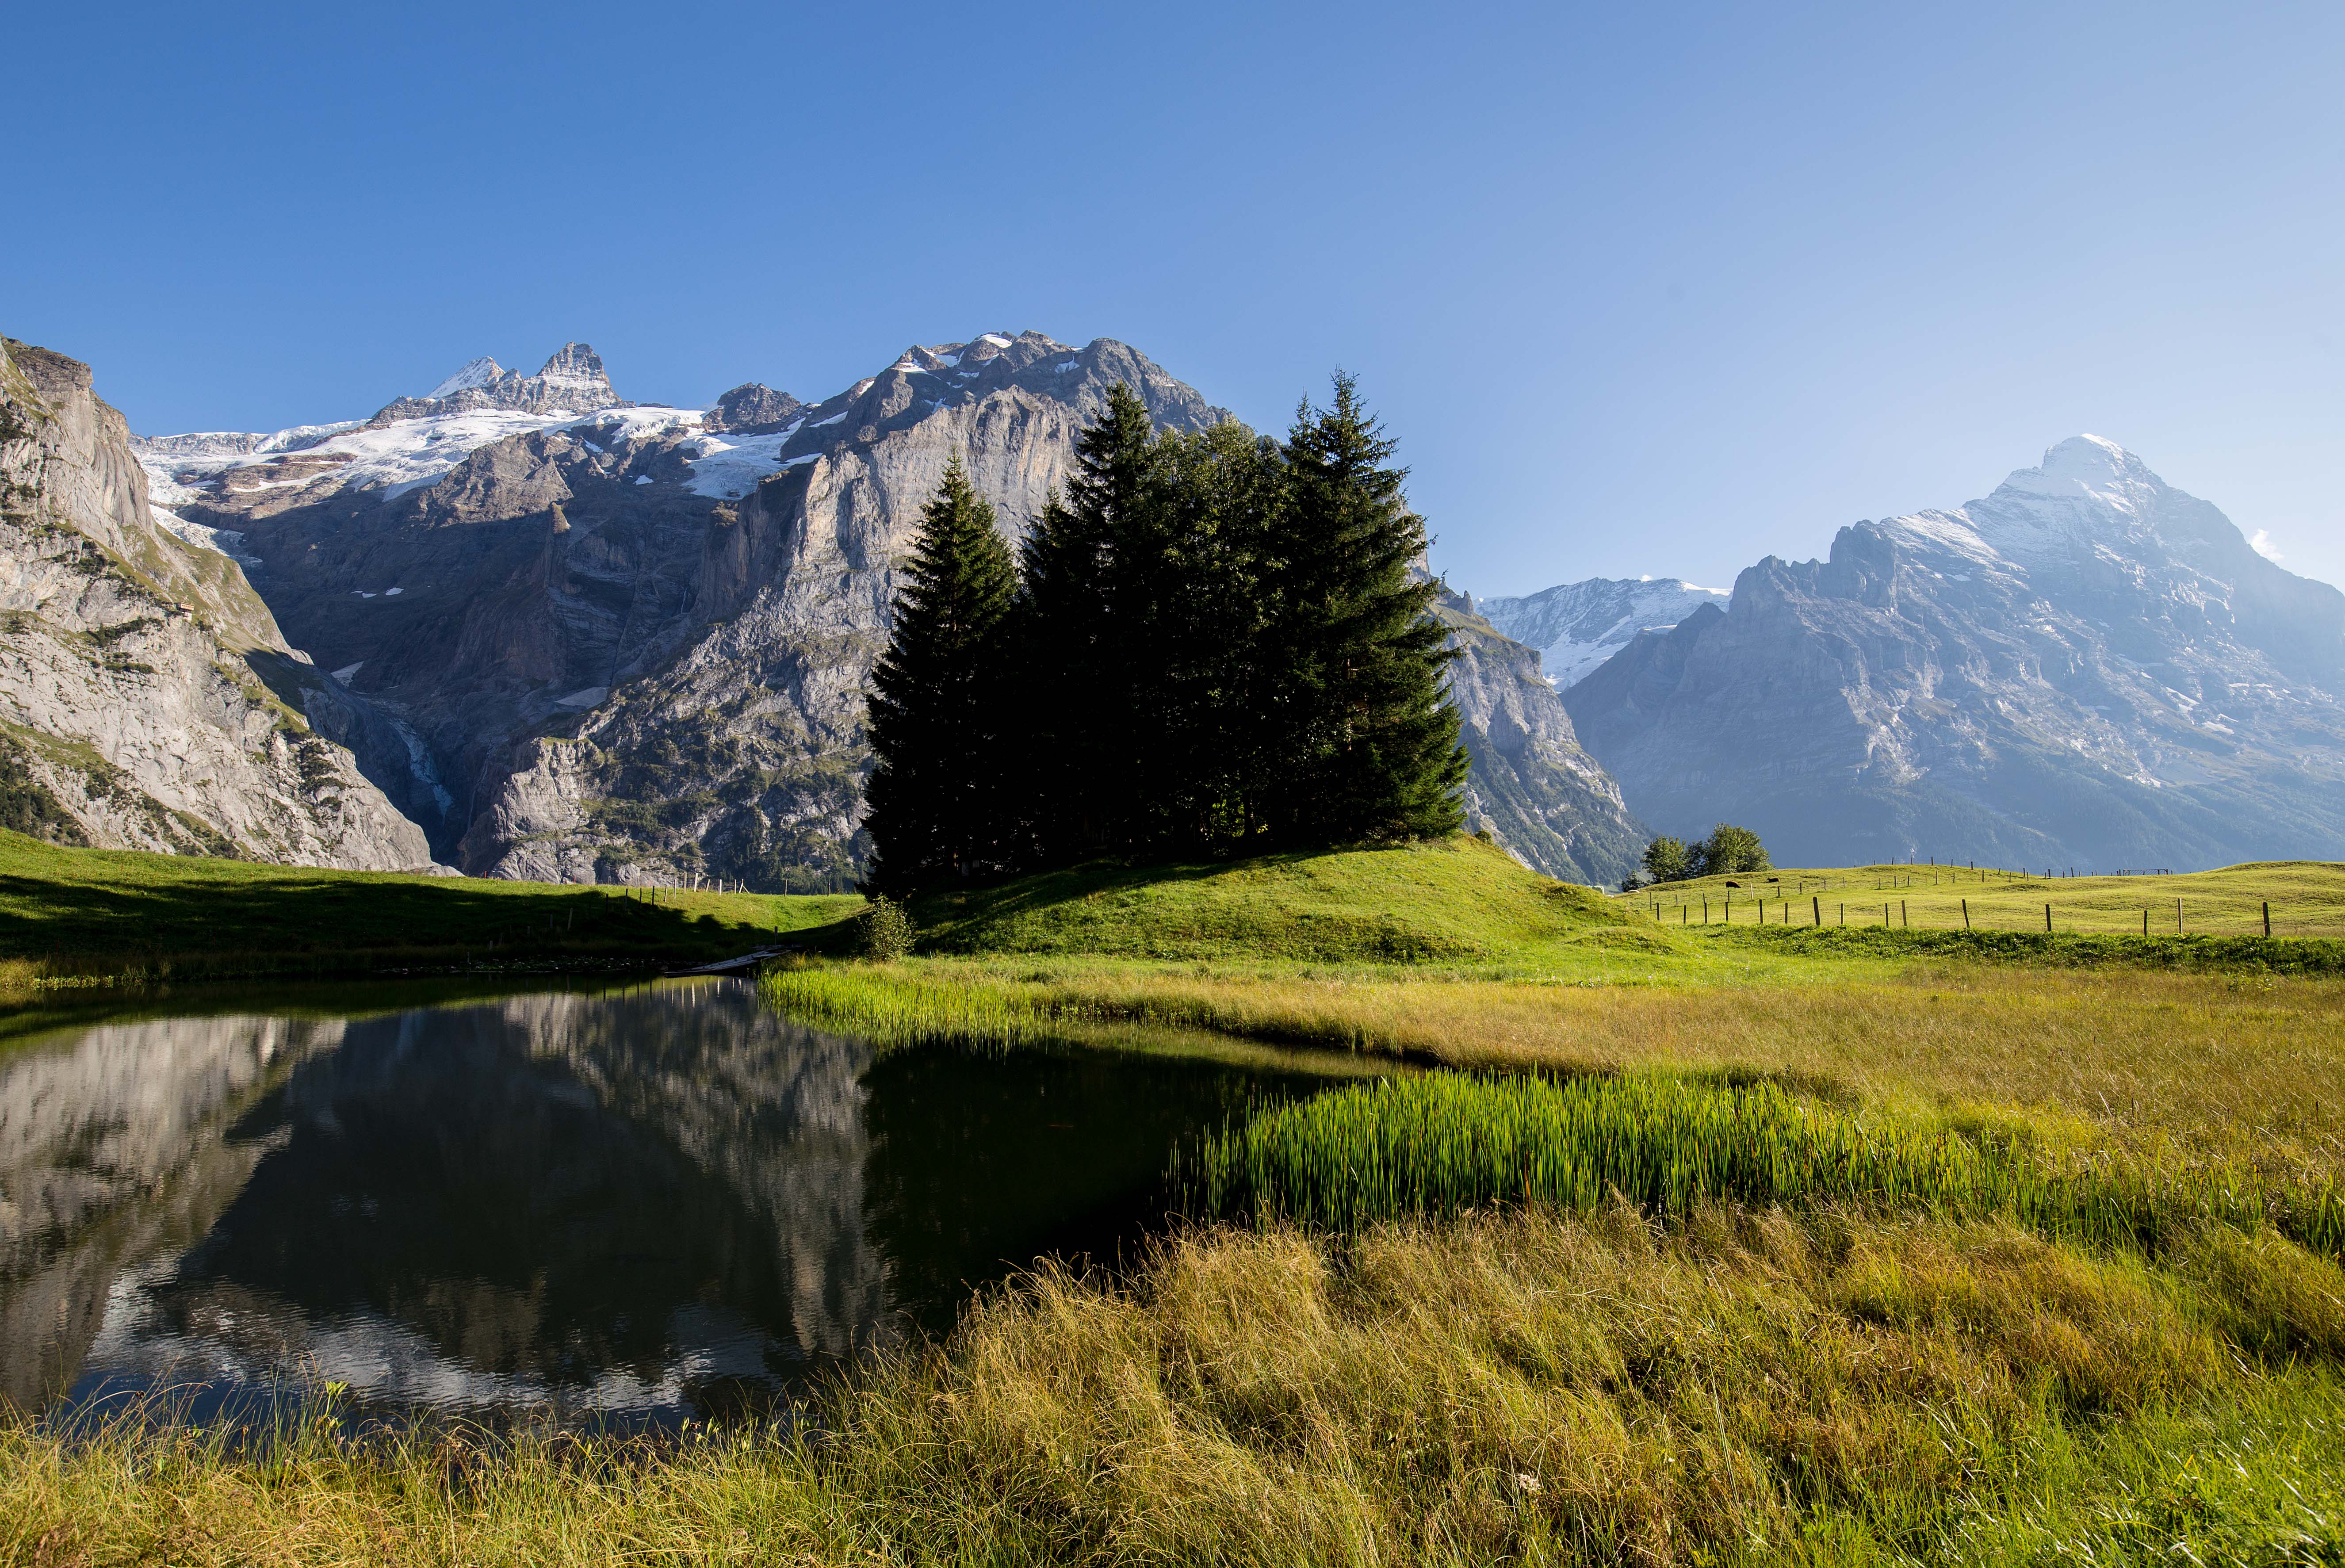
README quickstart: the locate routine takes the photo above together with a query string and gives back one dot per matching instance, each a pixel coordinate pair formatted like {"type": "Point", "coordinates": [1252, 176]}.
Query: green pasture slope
{"type": "Point", "coordinates": [85, 914]}
{"type": "Point", "coordinates": [1444, 900]}
{"type": "Point", "coordinates": [2304, 897]}
{"type": "Point", "coordinates": [70, 916]}
{"type": "Point", "coordinates": [2198, 920]}
{"type": "Point", "coordinates": [1462, 903]}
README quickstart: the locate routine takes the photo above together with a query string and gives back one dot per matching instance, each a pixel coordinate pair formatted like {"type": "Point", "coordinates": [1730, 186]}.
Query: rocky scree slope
{"type": "Point", "coordinates": [2088, 668]}
{"type": "Point", "coordinates": [147, 699]}
{"type": "Point", "coordinates": [1576, 626]}
{"type": "Point", "coordinates": [630, 643]}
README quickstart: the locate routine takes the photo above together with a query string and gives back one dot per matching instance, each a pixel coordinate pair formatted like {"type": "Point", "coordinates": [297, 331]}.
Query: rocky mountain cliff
{"type": "Point", "coordinates": [1531, 785]}
{"type": "Point", "coordinates": [147, 699]}
{"type": "Point", "coordinates": [1576, 626]}
{"type": "Point", "coordinates": [2088, 668]}
{"type": "Point", "coordinates": [631, 644]}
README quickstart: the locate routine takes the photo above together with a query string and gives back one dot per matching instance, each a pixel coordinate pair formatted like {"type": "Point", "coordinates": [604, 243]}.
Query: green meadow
{"type": "Point", "coordinates": [84, 916]}
{"type": "Point", "coordinates": [1670, 1242]}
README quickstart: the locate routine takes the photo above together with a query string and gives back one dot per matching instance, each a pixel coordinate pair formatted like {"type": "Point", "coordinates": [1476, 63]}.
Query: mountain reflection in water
{"type": "Point", "coordinates": [646, 1204]}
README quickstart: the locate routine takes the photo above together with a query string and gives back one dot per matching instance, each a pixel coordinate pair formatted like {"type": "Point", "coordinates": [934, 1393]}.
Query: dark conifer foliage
{"type": "Point", "coordinates": [1216, 647]}
{"type": "Point", "coordinates": [1074, 605]}
{"type": "Point", "coordinates": [938, 805]}
{"type": "Point", "coordinates": [1376, 751]}
{"type": "Point", "coordinates": [1194, 568]}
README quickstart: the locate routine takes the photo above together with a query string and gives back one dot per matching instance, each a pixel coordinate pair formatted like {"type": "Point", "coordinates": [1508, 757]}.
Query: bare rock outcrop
{"type": "Point", "coordinates": [147, 699]}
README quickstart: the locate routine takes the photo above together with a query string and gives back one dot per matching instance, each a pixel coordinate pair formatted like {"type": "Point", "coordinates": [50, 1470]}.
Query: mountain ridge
{"type": "Point", "coordinates": [2086, 667]}
{"type": "Point", "coordinates": [629, 643]}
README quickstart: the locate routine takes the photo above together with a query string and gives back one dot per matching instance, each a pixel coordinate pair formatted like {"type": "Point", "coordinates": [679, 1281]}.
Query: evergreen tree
{"type": "Point", "coordinates": [1079, 770]}
{"type": "Point", "coordinates": [936, 807]}
{"type": "Point", "coordinates": [1190, 565]}
{"type": "Point", "coordinates": [1357, 657]}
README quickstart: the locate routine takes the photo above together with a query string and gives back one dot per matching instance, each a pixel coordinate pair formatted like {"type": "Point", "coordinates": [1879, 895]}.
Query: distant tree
{"type": "Point", "coordinates": [1372, 746]}
{"type": "Point", "coordinates": [1669, 859]}
{"type": "Point", "coordinates": [1727, 851]}
{"type": "Point", "coordinates": [937, 806]}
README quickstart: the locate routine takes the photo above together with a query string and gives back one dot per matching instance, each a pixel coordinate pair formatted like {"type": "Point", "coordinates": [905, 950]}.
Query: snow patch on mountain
{"type": "Point", "coordinates": [393, 457]}
{"type": "Point", "coordinates": [729, 467]}
{"type": "Point", "coordinates": [1576, 626]}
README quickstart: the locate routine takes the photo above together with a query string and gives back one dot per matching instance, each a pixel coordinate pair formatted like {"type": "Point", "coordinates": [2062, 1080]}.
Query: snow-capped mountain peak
{"type": "Point", "coordinates": [480, 373]}
{"type": "Point", "coordinates": [2089, 495]}
{"type": "Point", "coordinates": [2090, 469]}
{"type": "Point", "coordinates": [412, 441]}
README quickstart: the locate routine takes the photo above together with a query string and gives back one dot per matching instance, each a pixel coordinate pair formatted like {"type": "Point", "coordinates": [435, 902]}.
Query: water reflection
{"type": "Point", "coordinates": [650, 1203]}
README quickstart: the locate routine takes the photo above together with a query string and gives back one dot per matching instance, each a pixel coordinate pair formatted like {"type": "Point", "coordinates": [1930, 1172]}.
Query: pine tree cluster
{"type": "Point", "coordinates": [1209, 644]}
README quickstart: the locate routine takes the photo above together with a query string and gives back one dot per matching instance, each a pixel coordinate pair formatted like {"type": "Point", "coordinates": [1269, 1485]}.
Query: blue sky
{"type": "Point", "coordinates": [1641, 289]}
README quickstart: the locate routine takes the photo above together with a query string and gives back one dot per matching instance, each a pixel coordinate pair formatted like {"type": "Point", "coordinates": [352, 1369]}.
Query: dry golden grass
{"type": "Point", "coordinates": [1516, 1388]}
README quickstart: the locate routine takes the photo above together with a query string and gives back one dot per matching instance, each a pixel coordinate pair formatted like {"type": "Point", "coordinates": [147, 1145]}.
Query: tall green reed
{"type": "Point", "coordinates": [1446, 1141]}
{"type": "Point", "coordinates": [898, 1009]}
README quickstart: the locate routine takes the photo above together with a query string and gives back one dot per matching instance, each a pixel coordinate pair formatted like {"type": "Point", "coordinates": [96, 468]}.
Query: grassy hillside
{"type": "Point", "coordinates": [67, 914]}
{"type": "Point", "coordinates": [1454, 898]}
{"type": "Point", "coordinates": [2307, 899]}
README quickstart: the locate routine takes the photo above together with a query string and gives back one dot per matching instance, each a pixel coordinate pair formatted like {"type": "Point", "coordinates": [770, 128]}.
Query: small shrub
{"type": "Point", "coordinates": [886, 931]}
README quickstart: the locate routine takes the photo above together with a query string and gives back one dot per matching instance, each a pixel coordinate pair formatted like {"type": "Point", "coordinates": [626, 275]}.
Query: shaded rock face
{"type": "Point", "coordinates": [1576, 626]}
{"type": "Point", "coordinates": [753, 408]}
{"type": "Point", "coordinates": [2088, 668]}
{"type": "Point", "coordinates": [147, 699]}
{"type": "Point", "coordinates": [1532, 787]}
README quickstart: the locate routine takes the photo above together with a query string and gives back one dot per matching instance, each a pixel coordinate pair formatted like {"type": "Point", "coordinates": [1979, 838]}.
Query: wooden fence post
{"type": "Point", "coordinates": [2047, 917]}
{"type": "Point", "coordinates": [1819, 905]}
{"type": "Point", "coordinates": [2267, 918]}
{"type": "Point", "coordinates": [1966, 913]}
